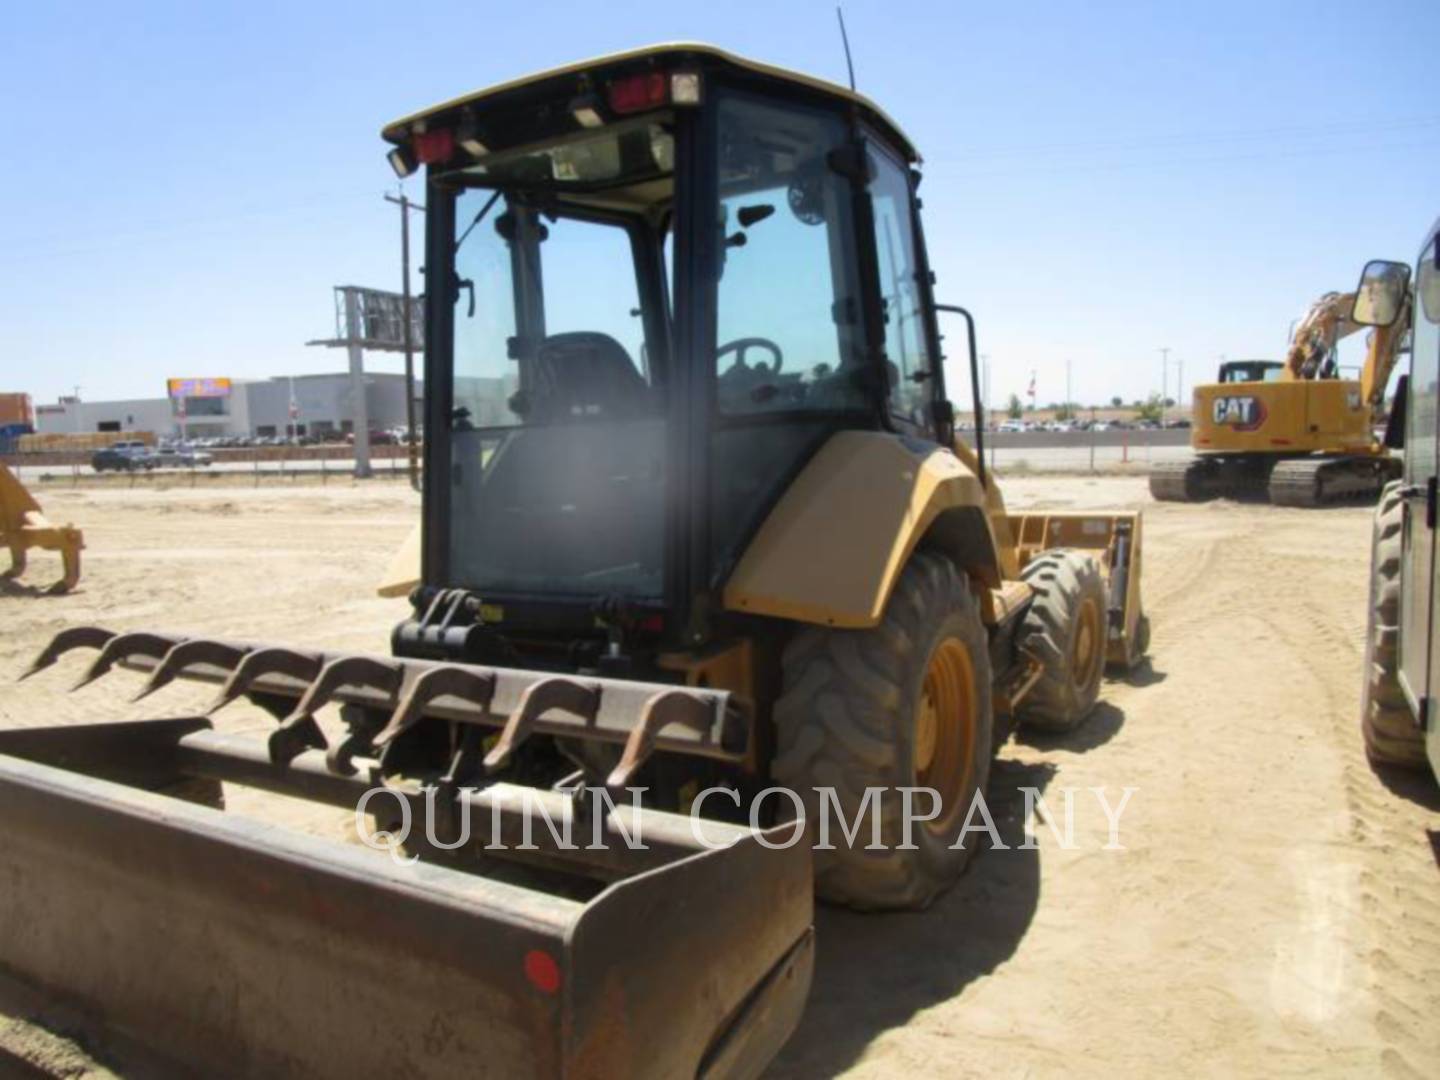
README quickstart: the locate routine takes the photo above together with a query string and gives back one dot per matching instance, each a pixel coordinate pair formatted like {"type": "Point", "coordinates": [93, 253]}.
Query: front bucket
{"type": "Point", "coordinates": [213, 944]}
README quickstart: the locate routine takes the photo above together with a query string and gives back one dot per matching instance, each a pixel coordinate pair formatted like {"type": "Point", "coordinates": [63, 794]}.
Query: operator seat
{"type": "Point", "coordinates": [585, 373]}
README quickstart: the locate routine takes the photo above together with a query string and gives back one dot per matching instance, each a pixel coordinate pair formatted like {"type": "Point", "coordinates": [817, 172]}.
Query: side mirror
{"type": "Point", "coordinates": [1380, 296]}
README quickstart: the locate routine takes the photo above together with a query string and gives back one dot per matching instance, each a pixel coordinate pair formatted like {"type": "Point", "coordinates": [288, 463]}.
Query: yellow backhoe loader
{"type": "Point", "coordinates": [1293, 431]}
{"type": "Point", "coordinates": [24, 526]}
{"type": "Point", "coordinates": [698, 536]}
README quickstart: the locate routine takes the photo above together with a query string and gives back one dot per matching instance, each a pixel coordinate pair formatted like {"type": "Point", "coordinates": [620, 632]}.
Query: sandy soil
{"type": "Point", "coordinates": [1272, 912]}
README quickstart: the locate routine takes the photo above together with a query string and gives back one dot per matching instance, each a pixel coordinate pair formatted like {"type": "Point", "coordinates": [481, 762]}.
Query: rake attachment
{"type": "Point", "coordinates": [220, 944]}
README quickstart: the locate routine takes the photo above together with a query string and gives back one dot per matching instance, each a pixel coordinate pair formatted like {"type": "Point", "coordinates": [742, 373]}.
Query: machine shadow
{"type": "Point", "coordinates": [1415, 785]}
{"type": "Point", "coordinates": [874, 971]}
{"type": "Point", "coordinates": [1142, 674]}
{"type": "Point", "coordinates": [11, 587]}
{"type": "Point", "coordinates": [1102, 725]}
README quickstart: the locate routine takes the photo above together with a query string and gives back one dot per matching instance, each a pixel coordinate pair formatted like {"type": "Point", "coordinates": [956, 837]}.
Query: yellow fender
{"type": "Point", "coordinates": [830, 551]}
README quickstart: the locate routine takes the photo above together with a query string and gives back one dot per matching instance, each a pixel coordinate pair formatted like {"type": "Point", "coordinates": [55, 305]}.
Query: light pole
{"type": "Point", "coordinates": [1164, 365]}
{"type": "Point", "coordinates": [75, 402]}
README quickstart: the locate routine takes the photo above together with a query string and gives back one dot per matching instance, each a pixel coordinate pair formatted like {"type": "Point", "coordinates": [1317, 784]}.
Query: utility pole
{"type": "Point", "coordinates": [985, 388]}
{"type": "Point", "coordinates": [1164, 370]}
{"type": "Point", "coordinates": [1069, 410]}
{"type": "Point", "coordinates": [405, 207]}
{"type": "Point", "coordinates": [359, 410]}
{"type": "Point", "coordinates": [76, 403]}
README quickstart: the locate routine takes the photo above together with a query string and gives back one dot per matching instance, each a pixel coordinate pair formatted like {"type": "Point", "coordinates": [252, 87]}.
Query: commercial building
{"type": "Point", "coordinates": [204, 408]}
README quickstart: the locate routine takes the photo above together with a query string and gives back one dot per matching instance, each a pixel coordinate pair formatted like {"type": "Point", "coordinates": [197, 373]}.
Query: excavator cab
{"type": "Point", "coordinates": [1244, 371]}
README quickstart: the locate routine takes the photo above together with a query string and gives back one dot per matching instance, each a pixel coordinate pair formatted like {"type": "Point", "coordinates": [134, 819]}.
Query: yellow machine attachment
{"type": "Point", "coordinates": [24, 526]}
{"type": "Point", "coordinates": [1114, 540]}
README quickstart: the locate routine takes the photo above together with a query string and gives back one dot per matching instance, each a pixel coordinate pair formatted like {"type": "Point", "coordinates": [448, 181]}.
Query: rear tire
{"type": "Point", "coordinates": [1065, 629]}
{"type": "Point", "coordinates": [1391, 734]}
{"type": "Point", "coordinates": [905, 704]}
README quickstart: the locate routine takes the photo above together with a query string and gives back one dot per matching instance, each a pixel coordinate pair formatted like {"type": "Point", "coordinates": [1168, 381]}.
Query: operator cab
{"type": "Point", "coordinates": [1242, 371]}
{"type": "Point", "coordinates": [657, 283]}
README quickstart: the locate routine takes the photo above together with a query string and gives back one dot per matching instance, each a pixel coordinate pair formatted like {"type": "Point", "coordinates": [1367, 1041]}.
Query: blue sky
{"type": "Point", "coordinates": [184, 183]}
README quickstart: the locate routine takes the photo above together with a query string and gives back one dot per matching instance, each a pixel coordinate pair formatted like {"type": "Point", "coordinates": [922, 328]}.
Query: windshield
{"type": "Point", "coordinates": [557, 421]}
{"type": "Point", "coordinates": [1251, 371]}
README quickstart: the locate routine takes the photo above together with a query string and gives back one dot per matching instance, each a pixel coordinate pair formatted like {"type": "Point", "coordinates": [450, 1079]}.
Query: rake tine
{"type": "Point", "coordinates": [122, 647]}
{"type": "Point", "coordinates": [477, 686]}
{"type": "Point", "coordinates": [76, 637]}
{"type": "Point", "coordinates": [274, 660]}
{"type": "Point", "coordinates": [580, 698]}
{"type": "Point", "coordinates": [185, 653]}
{"type": "Point", "coordinates": [659, 712]}
{"type": "Point", "coordinates": [299, 730]}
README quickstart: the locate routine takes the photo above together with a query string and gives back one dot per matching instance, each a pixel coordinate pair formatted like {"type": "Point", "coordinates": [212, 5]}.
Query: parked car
{"type": "Point", "coordinates": [125, 456]}
{"type": "Point", "coordinates": [181, 456]}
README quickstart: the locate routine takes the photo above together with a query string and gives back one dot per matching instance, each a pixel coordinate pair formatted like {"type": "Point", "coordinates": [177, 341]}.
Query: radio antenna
{"type": "Point", "coordinates": [845, 39]}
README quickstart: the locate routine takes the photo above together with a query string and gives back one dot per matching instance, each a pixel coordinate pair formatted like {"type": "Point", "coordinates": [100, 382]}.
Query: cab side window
{"type": "Point", "coordinates": [907, 354]}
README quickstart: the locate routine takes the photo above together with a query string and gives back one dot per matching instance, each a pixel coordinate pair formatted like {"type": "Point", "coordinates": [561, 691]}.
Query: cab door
{"type": "Point", "coordinates": [1419, 643]}
{"type": "Point", "coordinates": [1417, 577]}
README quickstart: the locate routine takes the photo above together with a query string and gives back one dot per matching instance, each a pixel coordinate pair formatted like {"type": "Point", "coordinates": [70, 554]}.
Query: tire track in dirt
{"type": "Point", "coordinates": [1395, 882]}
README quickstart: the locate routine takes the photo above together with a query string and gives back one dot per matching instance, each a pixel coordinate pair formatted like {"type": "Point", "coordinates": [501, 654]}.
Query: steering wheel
{"type": "Point", "coordinates": [740, 346]}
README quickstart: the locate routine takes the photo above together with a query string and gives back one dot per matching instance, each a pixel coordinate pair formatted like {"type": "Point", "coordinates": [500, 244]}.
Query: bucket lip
{"type": "Point", "coordinates": [421, 881]}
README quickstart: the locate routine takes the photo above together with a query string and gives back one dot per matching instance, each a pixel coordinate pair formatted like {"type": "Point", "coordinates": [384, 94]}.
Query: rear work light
{"type": "Point", "coordinates": [434, 146]}
{"type": "Point", "coordinates": [637, 93]}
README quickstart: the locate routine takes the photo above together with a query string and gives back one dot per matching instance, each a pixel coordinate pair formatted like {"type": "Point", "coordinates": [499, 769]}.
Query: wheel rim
{"type": "Point", "coordinates": [945, 730]}
{"type": "Point", "coordinates": [1089, 645]}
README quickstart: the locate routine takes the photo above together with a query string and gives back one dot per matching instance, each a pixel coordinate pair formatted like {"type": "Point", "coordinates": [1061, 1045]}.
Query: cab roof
{"type": "Point", "coordinates": [678, 53]}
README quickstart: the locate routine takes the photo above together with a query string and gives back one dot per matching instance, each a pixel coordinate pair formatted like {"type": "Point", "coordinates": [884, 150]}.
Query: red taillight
{"type": "Point", "coordinates": [651, 624]}
{"type": "Point", "coordinates": [434, 146]}
{"type": "Point", "coordinates": [639, 92]}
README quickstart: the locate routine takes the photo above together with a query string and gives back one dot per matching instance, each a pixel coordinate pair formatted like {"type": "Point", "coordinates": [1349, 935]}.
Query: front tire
{"type": "Point", "coordinates": [1391, 734]}
{"type": "Point", "coordinates": [905, 704]}
{"type": "Point", "coordinates": [1066, 631]}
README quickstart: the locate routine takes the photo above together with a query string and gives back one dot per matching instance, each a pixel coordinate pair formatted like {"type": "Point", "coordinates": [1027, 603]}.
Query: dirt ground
{"type": "Point", "coordinates": [1272, 910]}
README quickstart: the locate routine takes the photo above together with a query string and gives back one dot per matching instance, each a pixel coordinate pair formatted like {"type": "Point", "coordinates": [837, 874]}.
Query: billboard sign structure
{"type": "Point", "coordinates": [197, 388]}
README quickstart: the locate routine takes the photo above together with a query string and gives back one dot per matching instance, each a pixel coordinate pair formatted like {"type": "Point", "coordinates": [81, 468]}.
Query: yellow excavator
{"type": "Point", "coordinates": [1293, 431]}
{"type": "Point", "coordinates": [700, 549]}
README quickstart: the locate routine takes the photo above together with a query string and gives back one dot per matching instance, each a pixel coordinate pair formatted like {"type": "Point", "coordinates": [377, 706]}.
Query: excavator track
{"type": "Point", "coordinates": [1183, 481]}
{"type": "Point", "coordinates": [1329, 481]}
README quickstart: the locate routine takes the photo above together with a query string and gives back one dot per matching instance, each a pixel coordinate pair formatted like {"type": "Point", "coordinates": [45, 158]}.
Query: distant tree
{"type": "Point", "coordinates": [1117, 401]}
{"type": "Point", "coordinates": [1151, 409]}
{"type": "Point", "coordinates": [1169, 402]}
{"type": "Point", "coordinates": [1015, 410]}
{"type": "Point", "coordinates": [1065, 412]}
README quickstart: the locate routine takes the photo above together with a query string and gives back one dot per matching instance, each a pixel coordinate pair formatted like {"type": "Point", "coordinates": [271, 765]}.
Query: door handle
{"type": "Point", "coordinates": [1422, 493]}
